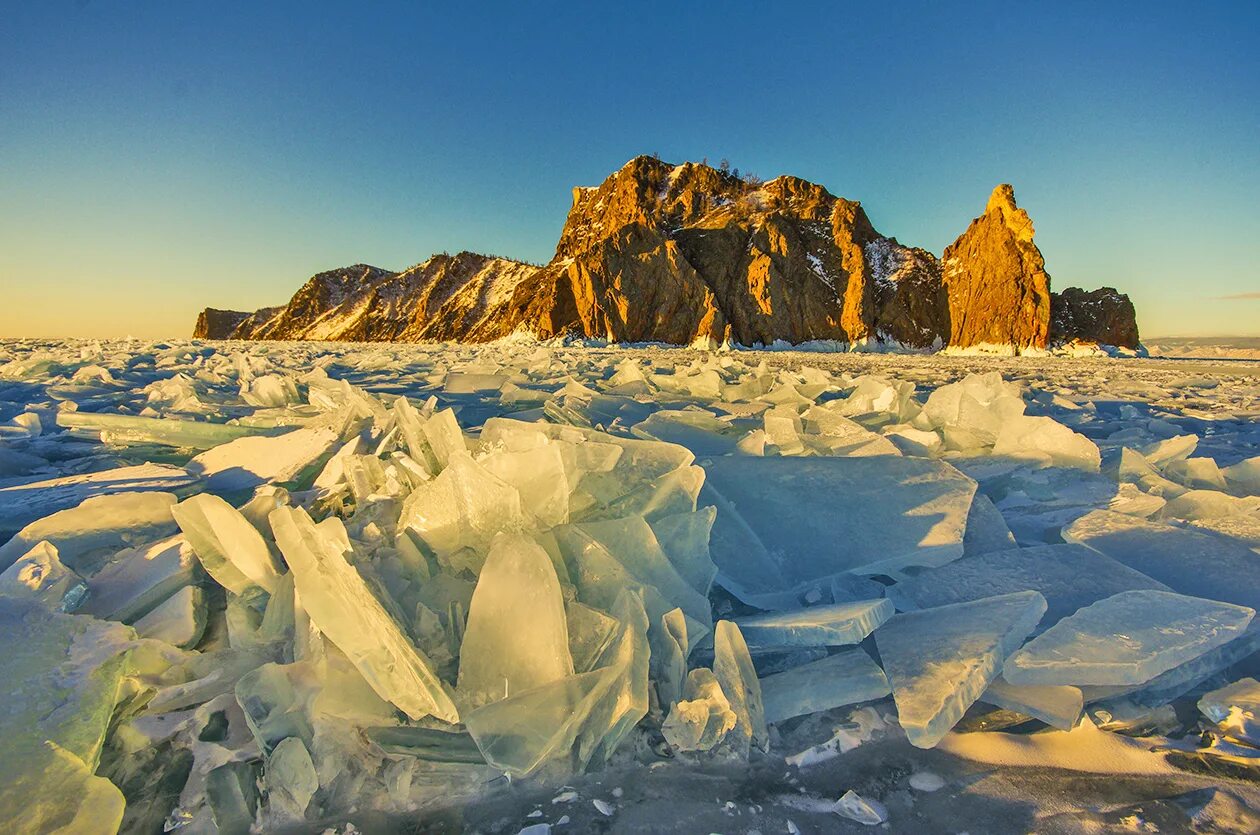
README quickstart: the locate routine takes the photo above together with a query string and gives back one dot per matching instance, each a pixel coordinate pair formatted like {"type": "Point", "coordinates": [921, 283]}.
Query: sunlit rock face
{"type": "Point", "coordinates": [1104, 316]}
{"type": "Point", "coordinates": [685, 253]}
{"type": "Point", "coordinates": [996, 281]}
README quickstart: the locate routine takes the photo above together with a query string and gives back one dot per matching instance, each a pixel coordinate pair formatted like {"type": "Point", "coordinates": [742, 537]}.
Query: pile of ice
{"type": "Point", "coordinates": [247, 592]}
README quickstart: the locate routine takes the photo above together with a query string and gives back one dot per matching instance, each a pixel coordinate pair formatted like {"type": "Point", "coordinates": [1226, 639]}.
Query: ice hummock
{"type": "Point", "coordinates": [268, 687]}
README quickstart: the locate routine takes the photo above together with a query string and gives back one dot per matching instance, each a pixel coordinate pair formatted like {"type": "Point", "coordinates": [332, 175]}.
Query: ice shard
{"type": "Point", "coordinates": [1128, 638]}
{"type": "Point", "coordinates": [1068, 576]}
{"type": "Point", "coordinates": [939, 661]}
{"type": "Point", "coordinates": [785, 527]}
{"type": "Point", "coordinates": [590, 633]}
{"type": "Point", "coordinates": [229, 547]}
{"type": "Point", "coordinates": [130, 429]}
{"type": "Point", "coordinates": [62, 675]}
{"type": "Point", "coordinates": [1187, 561]}
{"type": "Point", "coordinates": [464, 507]}
{"type": "Point", "coordinates": [986, 530]}
{"type": "Point", "coordinates": [669, 656]}
{"type": "Point", "coordinates": [178, 620]}
{"type": "Point", "coordinates": [846, 678]}
{"type": "Point", "coordinates": [341, 605]}
{"type": "Point", "coordinates": [733, 667]}
{"type": "Point", "coordinates": [576, 718]}
{"type": "Point", "coordinates": [835, 624]}
{"type": "Point", "coordinates": [516, 638]}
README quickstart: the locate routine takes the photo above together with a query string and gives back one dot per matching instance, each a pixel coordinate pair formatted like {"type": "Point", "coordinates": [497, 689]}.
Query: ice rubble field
{"type": "Point", "coordinates": [295, 586]}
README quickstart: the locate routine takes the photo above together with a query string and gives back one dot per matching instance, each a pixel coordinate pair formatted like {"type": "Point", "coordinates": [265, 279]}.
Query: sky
{"type": "Point", "coordinates": [158, 158]}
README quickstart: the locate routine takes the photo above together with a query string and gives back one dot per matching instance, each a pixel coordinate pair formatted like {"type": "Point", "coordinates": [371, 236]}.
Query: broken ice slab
{"type": "Point", "coordinates": [1171, 449]}
{"type": "Point", "coordinates": [179, 620]}
{"type": "Point", "coordinates": [229, 547]}
{"type": "Point", "coordinates": [130, 429]}
{"type": "Point", "coordinates": [590, 633]}
{"type": "Point", "coordinates": [96, 529]}
{"type": "Point", "coordinates": [939, 661]}
{"type": "Point", "coordinates": [702, 717]}
{"type": "Point", "coordinates": [830, 433]}
{"type": "Point", "coordinates": [40, 575]}
{"type": "Point", "coordinates": [785, 526]}
{"type": "Point", "coordinates": [1068, 576]}
{"type": "Point", "coordinates": [1131, 468]}
{"type": "Point", "coordinates": [516, 638]}
{"type": "Point", "coordinates": [1128, 638]}
{"type": "Point", "coordinates": [1205, 505]}
{"type": "Point", "coordinates": [846, 678]}
{"type": "Point", "coordinates": [1236, 708]}
{"type": "Point", "coordinates": [25, 500]}
{"type": "Point", "coordinates": [1184, 677]}
{"type": "Point", "coordinates": [344, 609]}
{"type": "Point", "coordinates": [1043, 438]}
{"type": "Point", "coordinates": [1187, 561]}
{"type": "Point", "coordinates": [834, 624]}
{"type": "Point", "coordinates": [246, 463]}
{"type": "Point", "coordinates": [138, 579]}
{"type": "Point", "coordinates": [1059, 706]}
{"type": "Point", "coordinates": [733, 667]}
{"type": "Point", "coordinates": [62, 675]}
{"type": "Point", "coordinates": [607, 477]}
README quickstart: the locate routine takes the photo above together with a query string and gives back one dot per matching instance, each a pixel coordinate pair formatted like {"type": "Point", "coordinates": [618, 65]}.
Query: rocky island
{"type": "Point", "coordinates": [686, 254]}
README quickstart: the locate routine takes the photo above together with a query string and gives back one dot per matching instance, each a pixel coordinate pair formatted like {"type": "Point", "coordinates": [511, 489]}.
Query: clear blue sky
{"type": "Point", "coordinates": [156, 158]}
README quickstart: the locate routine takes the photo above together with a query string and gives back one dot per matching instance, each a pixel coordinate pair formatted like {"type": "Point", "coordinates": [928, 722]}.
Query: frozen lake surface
{"type": "Point", "coordinates": [301, 587]}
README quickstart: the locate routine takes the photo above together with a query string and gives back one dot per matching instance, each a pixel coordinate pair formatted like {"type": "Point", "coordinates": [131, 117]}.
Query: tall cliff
{"type": "Point", "coordinates": [679, 253]}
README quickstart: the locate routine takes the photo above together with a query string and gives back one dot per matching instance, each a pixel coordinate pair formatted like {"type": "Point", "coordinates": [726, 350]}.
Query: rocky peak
{"type": "Point", "coordinates": [995, 280]}
{"type": "Point", "coordinates": [1002, 205]}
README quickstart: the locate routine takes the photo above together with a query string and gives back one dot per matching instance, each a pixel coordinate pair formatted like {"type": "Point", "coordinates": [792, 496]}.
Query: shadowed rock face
{"type": "Point", "coordinates": [217, 324]}
{"type": "Point", "coordinates": [1104, 316]}
{"type": "Point", "coordinates": [680, 253]}
{"type": "Point", "coordinates": [995, 280]}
